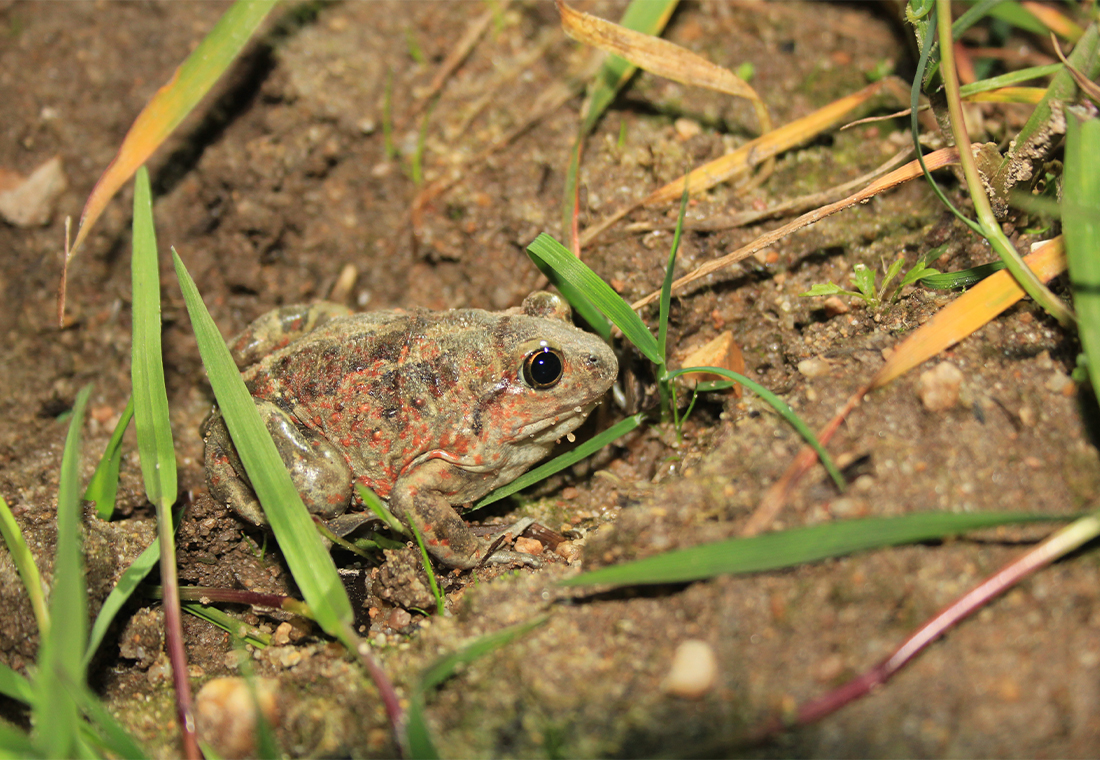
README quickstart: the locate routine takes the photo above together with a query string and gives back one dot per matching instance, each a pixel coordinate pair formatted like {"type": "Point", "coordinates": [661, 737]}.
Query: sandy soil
{"type": "Point", "coordinates": [281, 180]}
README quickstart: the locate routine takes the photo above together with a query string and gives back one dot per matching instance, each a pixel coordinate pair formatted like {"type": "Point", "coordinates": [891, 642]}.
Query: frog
{"type": "Point", "coordinates": [430, 410]}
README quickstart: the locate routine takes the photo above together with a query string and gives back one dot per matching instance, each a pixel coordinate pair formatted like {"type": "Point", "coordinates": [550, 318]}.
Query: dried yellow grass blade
{"type": "Point", "coordinates": [968, 312]}
{"type": "Point", "coordinates": [167, 108]}
{"type": "Point", "coordinates": [755, 152]}
{"type": "Point", "coordinates": [1055, 21]}
{"type": "Point", "coordinates": [911, 170]}
{"type": "Point", "coordinates": [774, 142]}
{"type": "Point", "coordinates": [658, 56]}
{"type": "Point", "coordinates": [1030, 95]}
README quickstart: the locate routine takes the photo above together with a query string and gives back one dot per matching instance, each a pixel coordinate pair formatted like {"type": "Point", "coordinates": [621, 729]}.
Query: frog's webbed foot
{"type": "Point", "coordinates": [496, 556]}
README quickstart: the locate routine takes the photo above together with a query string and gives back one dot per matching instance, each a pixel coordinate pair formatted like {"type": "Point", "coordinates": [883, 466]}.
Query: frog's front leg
{"type": "Point", "coordinates": [417, 496]}
{"type": "Point", "coordinates": [318, 470]}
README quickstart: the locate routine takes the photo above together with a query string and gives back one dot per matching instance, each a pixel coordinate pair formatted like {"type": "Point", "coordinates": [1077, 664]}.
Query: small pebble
{"type": "Point", "coordinates": [530, 546]}
{"type": "Point", "coordinates": [938, 387]}
{"type": "Point", "coordinates": [225, 713]}
{"type": "Point", "coordinates": [687, 128]}
{"type": "Point", "coordinates": [694, 670]}
{"type": "Point", "coordinates": [834, 306]}
{"type": "Point", "coordinates": [568, 551]}
{"type": "Point", "coordinates": [1058, 381]}
{"type": "Point", "coordinates": [815, 367]}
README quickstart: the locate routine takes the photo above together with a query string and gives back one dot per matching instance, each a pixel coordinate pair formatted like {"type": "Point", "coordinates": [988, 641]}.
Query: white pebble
{"type": "Point", "coordinates": [694, 670]}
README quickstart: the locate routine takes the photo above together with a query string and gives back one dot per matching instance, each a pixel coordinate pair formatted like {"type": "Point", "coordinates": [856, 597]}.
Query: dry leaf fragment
{"type": "Point", "coordinates": [30, 201]}
{"type": "Point", "coordinates": [722, 352]}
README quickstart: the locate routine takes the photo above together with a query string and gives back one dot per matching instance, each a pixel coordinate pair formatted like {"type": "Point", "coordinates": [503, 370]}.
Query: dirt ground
{"type": "Point", "coordinates": [281, 180]}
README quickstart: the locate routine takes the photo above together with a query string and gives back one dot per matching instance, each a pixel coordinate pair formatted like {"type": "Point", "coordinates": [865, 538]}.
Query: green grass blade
{"type": "Point", "coordinates": [312, 567]}
{"type": "Point", "coordinates": [131, 578]}
{"type": "Point", "coordinates": [418, 737]}
{"type": "Point", "coordinates": [236, 628]}
{"type": "Point", "coordinates": [567, 459]}
{"type": "Point", "coordinates": [426, 561]}
{"type": "Point", "coordinates": [15, 686]}
{"type": "Point", "coordinates": [784, 411]}
{"type": "Point", "coordinates": [24, 563]}
{"type": "Point", "coordinates": [646, 16]}
{"type": "Point", "coordinates": [172, 102]}
{"type": "Point", "coordinates": [962, 279]}
{"type": "Point", "coordinates": [103, 486]}
{"type": "Point", "coordinates": [1009, 79]}
{"type": "Point", "coordinates": [772, 551]}
{"type": "Point", "coordinates": [576, 273]}
{"type": "Point", "coordinates": [14, 742]}
{"type": "Point", "coordinates": [60, 659]}
{"type": "Point", "coordinates": [670, 272]}
{"type": "Point", "coordinates": [577, 299]}
{"type": "Point", "coordinates": [154, 433]}
{"type": "Point", "coordinates": [1081, 226]}
{"type": "Point", "coordinates": [108, 732]}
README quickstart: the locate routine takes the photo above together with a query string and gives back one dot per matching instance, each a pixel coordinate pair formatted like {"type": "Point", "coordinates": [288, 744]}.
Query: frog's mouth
{"type": "Point", "coordinates": [550, 429]}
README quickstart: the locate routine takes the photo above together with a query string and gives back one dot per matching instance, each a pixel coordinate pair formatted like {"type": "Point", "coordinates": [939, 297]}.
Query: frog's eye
{"type": "Point", "coordinates": [543, 367]}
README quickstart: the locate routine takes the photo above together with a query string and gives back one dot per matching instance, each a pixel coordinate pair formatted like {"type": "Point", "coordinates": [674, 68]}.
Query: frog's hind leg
{"type": "Point", "coordinates": [277, 328]}
{"type": "Point", "coordinates": [318, 470]}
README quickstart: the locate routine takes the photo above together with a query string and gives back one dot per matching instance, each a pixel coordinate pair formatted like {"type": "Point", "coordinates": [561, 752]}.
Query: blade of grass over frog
{"type": "Point", "coordinates": [24, 563]}
{"type": "Point", "coordinates": [246, 633]}
{"type": "Point", "coordinates": [312, 566]}
{"type": "Point", "coordinates": [1081, 227]}
{"type": "Point", "coordinates": [568, 459]}
{"type": "Point", "coordinates": [130, 580]}
{"type": "Point", "coordinates": [418, 736]}
{"type": "Point", "coordinates": [1058, 545]}
{"type": "Point", "coordinates": [772, 551]}
{"type": "Point", "coordinates": [154, 438]}
{"type": "Point", "coordinates": [640, 16]}
{"type": "Point", "coordinates": [172, 102]}
{"type": "Point", "coordinates": [911, 170]}
{"type": "Point", "coordinates": [440, 599]}
{"type": "Point", "coordinates": [376, 505]}
{"type": "Point", "coordinates": [15, 686]}
{"type": "Point", "coordinates": [779, 406]}
{"type": "Point", "coordinates": [577, 274]}
{"type": "Point", "coordinates": [154, 432]}
{"type": "Point", "coordinates": [62, 646]}
{"type": "Point", "coordinates": [988, 226]}
{"type": "Point", "coordinates": [103, 487]}
{"type": "Point", "coordinates": [575, 296]}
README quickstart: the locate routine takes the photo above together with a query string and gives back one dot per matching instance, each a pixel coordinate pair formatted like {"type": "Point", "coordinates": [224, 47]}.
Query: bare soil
{"type": "Point", "coordinates": [282, 179]}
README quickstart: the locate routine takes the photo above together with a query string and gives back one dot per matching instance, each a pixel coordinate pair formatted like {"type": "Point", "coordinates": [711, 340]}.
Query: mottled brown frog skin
{"type": "Point", "coordinates": [427, 409]}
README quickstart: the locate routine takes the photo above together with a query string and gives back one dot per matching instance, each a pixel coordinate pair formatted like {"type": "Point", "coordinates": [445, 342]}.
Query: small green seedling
{"type": "Point", "coordinates": [864, 279]}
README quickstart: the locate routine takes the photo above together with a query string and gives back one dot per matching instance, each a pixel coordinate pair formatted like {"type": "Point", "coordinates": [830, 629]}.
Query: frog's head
{"type": "Point", "coordinates": [554, 373]}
